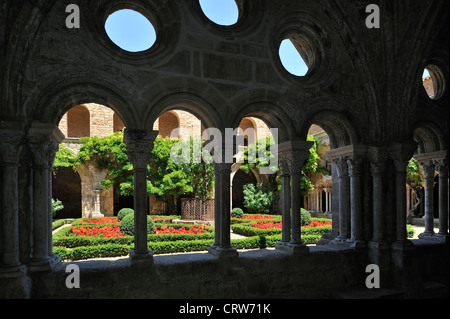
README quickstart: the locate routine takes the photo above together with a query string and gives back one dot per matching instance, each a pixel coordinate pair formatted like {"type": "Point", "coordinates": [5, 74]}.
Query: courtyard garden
{"type": "Point", "coordinates": [87, 238]}
{"type": "Point", "coordinates": [108, 237]}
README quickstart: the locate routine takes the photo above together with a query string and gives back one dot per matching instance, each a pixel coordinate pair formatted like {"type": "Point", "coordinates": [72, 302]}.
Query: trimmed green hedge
{"type": "Point", "coordinates": [181, 246]}
{"type": "Point", "coordinates": [247, 230]}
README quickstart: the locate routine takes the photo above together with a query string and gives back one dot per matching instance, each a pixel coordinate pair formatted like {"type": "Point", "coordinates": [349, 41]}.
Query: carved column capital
{"type": "Point", "coordinates": [341, 165]}
{"type": "Point", "coordinates": [294, 153]}
{"type": "Point", "coordinates": [378, 157]}
{"type": "Point", "coordinates": [140, 146]}
{"type": "Point", "coordinates": [428, 167]}
{"type": "Point", "coordinates": [354, 166]}
{"type": "Point", "coordinates": [222, 167]}
{"type": "Point", "coordinates": [401, 153]}
{"type": "Point", "coordinates": [441, 166]}
{"type": "Point", "coordinates": [10, 148]}
{"type": "Point", "coordinates": [43, 141]}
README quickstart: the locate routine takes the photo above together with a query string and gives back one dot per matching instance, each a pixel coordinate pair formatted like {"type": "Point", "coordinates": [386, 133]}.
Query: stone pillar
{"type": "Point", "coordinates": [428, 171]}
{"type": "Point", "coordinates": [344, 199]}
{"type": "Point", "coordinates": [442, 169]}
{"type": "Point", "coordinates": [222, 246]}
{"type": "Point", "coordinates": [43, 140]}
{"type": "Point", "coordinates": [354, 169]}
{"type": "Point", "coordinates": [295, 153]}
{"type": "Point", "coordinates": [10, 148]}
{"type": "Point", "coordinates": [401, 154]}
{"type": "Point", "coordinates": [379, 232]}
{"type": "Point", "coordinates": [217, 207]}
{"type": "Point", "coordinates": [285, 204]}
{"type": "Point", "coordinates": [140, 146]}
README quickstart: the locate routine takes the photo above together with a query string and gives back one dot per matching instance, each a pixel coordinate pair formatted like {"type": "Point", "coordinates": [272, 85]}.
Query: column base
{"type": "Point", "coordinates": [281, 245]}
{"type": "Point", "coordinates": [13, 271]}
{"type": "Point", "coordinates": [15, 283]}
{"type": "Point", "coordinates": [97, 215]}
{"type": "Point", "coordinates": [223, 252]}
{"type": "Point", "coordinates": [141, 257]}
{"type": "Point", "coordinates": [427, 235]}
{"type": "Point", "coordinates": [358, 244]}
{"type": "Point", "coordinates": [443, 238]}
{"type": "Point", "coordinates": [44, 264]}
{"type": "Point", "coordinates": [294, 248]}
{"type": "Point", "coordinates": [405, 245]}
{"type": "Point", "coordinates": [341, 241]}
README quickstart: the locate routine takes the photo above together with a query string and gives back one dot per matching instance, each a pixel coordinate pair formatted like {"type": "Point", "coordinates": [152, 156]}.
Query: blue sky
{"type": "Point", "coordinates": [133, 32]}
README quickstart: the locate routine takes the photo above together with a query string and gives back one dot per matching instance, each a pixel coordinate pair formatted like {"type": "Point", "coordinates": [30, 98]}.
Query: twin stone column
{"type": "Point", "coordinates": [292, 156]}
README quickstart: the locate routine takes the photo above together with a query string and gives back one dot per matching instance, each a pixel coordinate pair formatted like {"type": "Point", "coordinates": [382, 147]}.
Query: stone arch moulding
{"type": "Point", "coordinates": [59, 99]}
{"type": "Point", "coordinates": [429, 138]}
{"type": "Point", "coordinates": [337, 125]}
{"type": "Point", "coordinates": [265, 107]}
{"type": "Point", "coordinates": [313, 45]}
{"type": "Point", "coordinates": [250, 18]}
{"type": "Point", "coordinates": [193, 102]}
{"type": "Point", "coordinates": [163, 15]}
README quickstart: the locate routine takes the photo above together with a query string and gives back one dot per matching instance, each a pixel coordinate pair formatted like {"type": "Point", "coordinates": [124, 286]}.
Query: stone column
{"type": "Point", "coordinates": [217, 206]}
{"type": "Point", "coordinates": [344, 199]}
{"type": "Point", "coordinates": [10, 148]}
{"type": "Point", "coordinates": [354, 169]}
{"type": "Point", "coordinates": [401, 154]}
{"type": "Point", "coordinates": [295, 153]}
{"type": "Point", "coordinates": [378, 170]}
{"type": "Point", "coordinates": [285, 204]}
{"type": "Point", "coordinates": [222, 246]}
{"type": "Point", "coordinates": [442, 169]}
{"type": "Point", "coordinates": [428, 171]}
{"type": "Point", "coordinates": [140, 146]}
{"type": "Point", "coordinates": [43, 140]}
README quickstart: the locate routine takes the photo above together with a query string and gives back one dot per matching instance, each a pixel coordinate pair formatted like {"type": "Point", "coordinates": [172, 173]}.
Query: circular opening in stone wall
{"type": "Point", "coordinates": [433, 81]}
{"type": "Point", "coordinates": [221, 12]}
{"type": "Point", "coordinates": [130, 30]}
{"type": "Point", "coordinates": [294, 58]}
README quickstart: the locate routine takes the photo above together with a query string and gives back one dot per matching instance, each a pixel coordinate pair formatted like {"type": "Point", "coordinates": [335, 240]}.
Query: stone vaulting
{"type": "Point", "coordinates": [363, 87]}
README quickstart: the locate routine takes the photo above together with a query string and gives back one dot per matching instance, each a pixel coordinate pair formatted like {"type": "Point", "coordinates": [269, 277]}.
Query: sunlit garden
{"type": "Point", "coordinates": [108, 237]}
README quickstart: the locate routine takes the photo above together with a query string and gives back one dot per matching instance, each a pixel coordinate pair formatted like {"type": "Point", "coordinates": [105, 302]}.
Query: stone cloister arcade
{"type": "Point", "coordinates": [363, 87]}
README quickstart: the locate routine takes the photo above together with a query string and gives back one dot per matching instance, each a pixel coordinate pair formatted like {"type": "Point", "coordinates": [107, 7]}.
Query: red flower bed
{"type": "Point", "coordinates": [278, 225]}
{"type": "Point", "coordinates": [183, 230]}
{"type": "Point", "coordinates": [267, 225]}
{"type": "Point", "coordinates": [160, 217]}
{"type": "Point", "coordinates": [102, 220]}
{"type": "Point", "coordinates": [105, 231]}
{"type": "Point", "coordinates": [251, 217]}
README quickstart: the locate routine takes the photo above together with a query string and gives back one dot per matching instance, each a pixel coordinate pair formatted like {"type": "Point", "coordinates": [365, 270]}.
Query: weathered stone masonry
{"type": "Point", "coordinates": [363, 87]}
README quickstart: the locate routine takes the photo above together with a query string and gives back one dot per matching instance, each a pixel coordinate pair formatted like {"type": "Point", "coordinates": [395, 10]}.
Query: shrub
{"type": "Point", "coordinates": [56, 206]}
{"type": "Point", "coordinates": [258, 198]}
{"type": "Point", "coordinates": [127, 225]}
{"type": "Point", "coordinates": [237, 213]}
{"type": "Point", "coordinates": [305, 217]}
{"type": "Point", "coordinates": [124, 212]}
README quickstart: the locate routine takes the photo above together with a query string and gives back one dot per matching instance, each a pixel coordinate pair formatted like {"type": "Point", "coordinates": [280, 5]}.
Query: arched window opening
{"type": "Point", "coordinates": [130, 30]}
{"type": "Point", "coordinates": [433, 81]}
{"type": "Point", "coordinates": [294, 57]}
{"type": "Point", "coordinates": [223, 12]}
{"type": "Point", "coordinates": [118, 124]}
{"type": "Point", "coordinates": [78, 122]}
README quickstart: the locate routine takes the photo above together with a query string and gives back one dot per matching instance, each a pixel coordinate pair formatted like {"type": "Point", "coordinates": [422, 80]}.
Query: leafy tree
{"type": "Point", "coordinates": [166, 178]}
{"type": "Point", "coordinates": [199, 172]}
{"type": "Point", "coordinates": [311, 165]}
{"type": "Point", "coordinates": [258, 198]}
